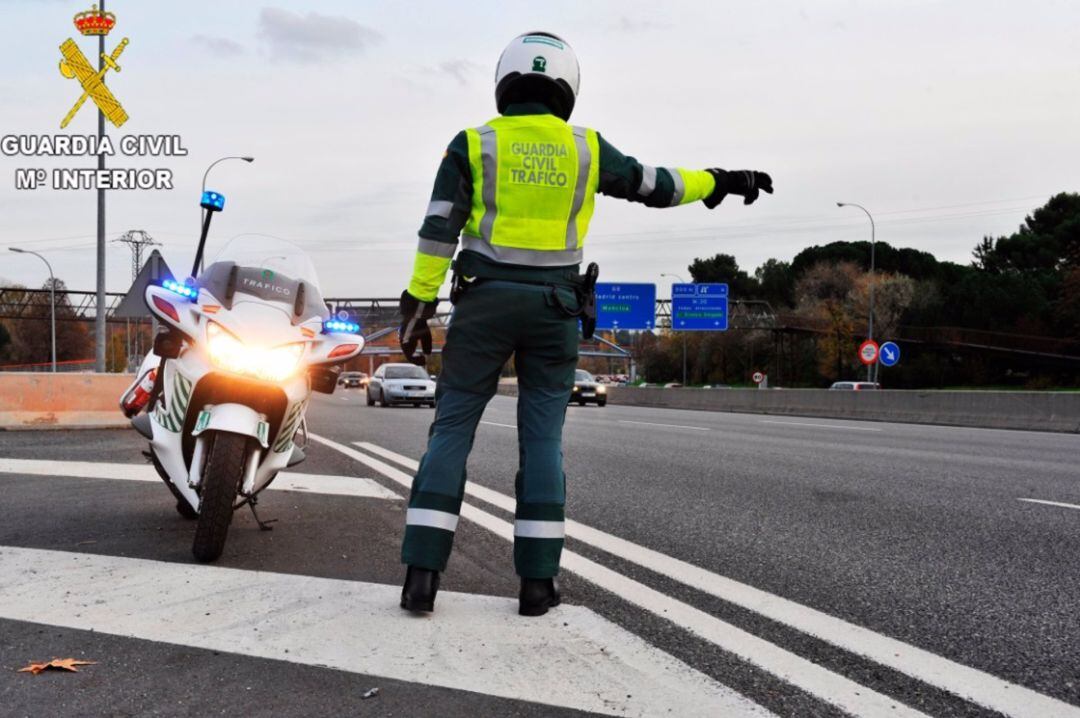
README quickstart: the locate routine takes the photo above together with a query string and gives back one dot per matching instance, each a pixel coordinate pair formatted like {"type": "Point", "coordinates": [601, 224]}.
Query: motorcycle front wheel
{"type": "Point", "coordinates": [220, 484]}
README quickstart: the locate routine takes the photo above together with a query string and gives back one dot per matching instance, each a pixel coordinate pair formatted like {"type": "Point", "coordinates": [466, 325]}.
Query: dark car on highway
{"type": "Point", "coordinates": [353, 379]}
{"type": "Point", "coordinates": [588, 390]}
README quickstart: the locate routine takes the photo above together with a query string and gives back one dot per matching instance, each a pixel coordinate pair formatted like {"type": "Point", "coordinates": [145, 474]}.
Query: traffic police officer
{"type": "Point", "coordinates": [519, 191]}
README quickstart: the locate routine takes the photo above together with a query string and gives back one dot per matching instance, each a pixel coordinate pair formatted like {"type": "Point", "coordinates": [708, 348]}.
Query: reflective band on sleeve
{"type": "Point", "coordinates": [581, 140]}
{"type": "Point", "coordinates": [648, 181]}
{"type": "Point", "coordinates": [439, 208]}
{"type": "Point", "coordinates": [436, 249]}
{"type": "Point", "coordinates": [431, 518]}
{"type": "Point", "coordinates": [539, 529]}
{"type": "Point", "coordinates": [680, 187]}
{"type": "Point", "coordinates": [489, 159]}
{"type": "Point", "coordinates": [527, 257]}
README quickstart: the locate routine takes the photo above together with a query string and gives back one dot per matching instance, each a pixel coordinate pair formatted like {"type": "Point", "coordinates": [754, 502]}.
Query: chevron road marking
{"type": "Point", "coordinates": [968, 683]}
{"type": "Point", "coordinates": [573, 658]}
{"type": "Point", "coordinates": [285, 481]}
{"type": "Point", "coordinates": [830, 687]}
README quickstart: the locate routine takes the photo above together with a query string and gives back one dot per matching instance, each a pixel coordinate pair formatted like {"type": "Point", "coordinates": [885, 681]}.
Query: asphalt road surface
{"type": "Point", "coordinates": [716, 565]}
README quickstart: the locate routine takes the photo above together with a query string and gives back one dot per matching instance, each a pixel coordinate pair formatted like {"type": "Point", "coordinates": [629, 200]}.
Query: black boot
{"type": "Point", "coordinates": [421, 585]}
{"type": "Point", "coordinates": [537, 596]}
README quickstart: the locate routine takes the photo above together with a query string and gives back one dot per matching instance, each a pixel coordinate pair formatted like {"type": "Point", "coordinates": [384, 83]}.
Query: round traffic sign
{"type": "Point", "coordinates": [889, 354]}
{"type": "Point", "coordinates": [758, 377]}
{"type": "Point", "coordinates": [868, 352]}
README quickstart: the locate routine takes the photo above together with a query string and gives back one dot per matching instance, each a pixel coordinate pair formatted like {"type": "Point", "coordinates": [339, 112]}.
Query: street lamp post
{"type": "Point", "coordinates": [52, 299]}
{"type": "Point", "coordinates": [873, 242]}
{"type": "Point", "coordinates": [202, 214]}
{"type": "Point", "coordinates": [684, 377]}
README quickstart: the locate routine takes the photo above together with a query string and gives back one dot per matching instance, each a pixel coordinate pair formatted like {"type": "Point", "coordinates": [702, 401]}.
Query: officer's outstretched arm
{"type": "Point", "coordinates": [451, 199]}
{"type": "Point", "coordinates": [447, 212]}
{"type": "Point", "coordinates": [626, 178]}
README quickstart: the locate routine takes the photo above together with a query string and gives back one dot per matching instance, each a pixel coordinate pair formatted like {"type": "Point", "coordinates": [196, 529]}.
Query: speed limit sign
{"type": "Point", "coordinates": [758, 377]}
{"type": "Point", "coordinates": [868, 352]}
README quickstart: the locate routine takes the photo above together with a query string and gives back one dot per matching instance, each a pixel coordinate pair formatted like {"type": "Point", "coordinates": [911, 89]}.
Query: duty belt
{"type": "Point", "coordinates": [583, 285]}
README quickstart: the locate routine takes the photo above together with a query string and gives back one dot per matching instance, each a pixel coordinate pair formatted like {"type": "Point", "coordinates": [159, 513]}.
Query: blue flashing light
{"type": "Point", "coordinates": [213, 201]}
{"type": "Point", "coordinates": [340, 326]}
{"type": "Point", "coordinates": [182, 289]}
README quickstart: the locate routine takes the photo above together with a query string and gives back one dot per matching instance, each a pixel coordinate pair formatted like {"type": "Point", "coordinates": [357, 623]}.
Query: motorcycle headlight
{"type": "Point", "coordinates": [229, 353]}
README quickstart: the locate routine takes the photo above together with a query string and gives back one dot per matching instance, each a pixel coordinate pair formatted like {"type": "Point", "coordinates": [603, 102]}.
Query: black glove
{"type": "Point", "coordinates": [414, 328]}
{"type": "Point", "coordinates": [746, 183]}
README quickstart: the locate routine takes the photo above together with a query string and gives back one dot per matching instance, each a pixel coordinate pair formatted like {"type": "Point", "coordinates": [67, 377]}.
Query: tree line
{"type": "Point", "coordinates": [1010, 317]}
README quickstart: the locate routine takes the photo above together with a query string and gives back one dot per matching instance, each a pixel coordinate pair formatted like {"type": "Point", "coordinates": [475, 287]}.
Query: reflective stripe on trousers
{"type": "Point", "coordinates": [540, 529]}
{"type": "Point", "coordinates": [431, 518]}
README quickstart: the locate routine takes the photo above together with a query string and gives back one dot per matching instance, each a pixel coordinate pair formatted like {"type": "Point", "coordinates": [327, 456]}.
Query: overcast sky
{"type": "Point", "coordinates": [948, 120]}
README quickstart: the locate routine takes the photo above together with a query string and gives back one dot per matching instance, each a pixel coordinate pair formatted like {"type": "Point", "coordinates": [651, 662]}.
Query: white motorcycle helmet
{"type": "Point", "coordinates": [538, 67]}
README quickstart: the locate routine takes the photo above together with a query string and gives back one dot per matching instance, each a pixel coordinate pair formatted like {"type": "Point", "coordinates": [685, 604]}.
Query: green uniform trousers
{"type": "Point", "coordinates": [493, 321]}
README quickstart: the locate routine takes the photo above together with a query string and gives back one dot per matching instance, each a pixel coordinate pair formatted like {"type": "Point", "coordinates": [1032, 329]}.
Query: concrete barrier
{"type": "Point", "coordinates": [1034, 411]}
{"type": "Point", "coordinates": [61, 401]}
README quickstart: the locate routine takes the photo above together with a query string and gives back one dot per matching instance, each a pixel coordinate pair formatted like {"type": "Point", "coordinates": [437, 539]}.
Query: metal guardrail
{"type": "Point", "coordinates": [71, 367]}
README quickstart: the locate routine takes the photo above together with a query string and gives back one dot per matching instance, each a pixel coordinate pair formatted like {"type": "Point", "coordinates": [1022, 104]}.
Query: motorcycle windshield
{"type": "Point", "coordinates": [268, 269]}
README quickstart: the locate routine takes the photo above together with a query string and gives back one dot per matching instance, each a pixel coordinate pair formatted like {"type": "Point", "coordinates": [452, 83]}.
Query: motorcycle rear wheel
{"type": "Point", "coordinates": [221, 478]}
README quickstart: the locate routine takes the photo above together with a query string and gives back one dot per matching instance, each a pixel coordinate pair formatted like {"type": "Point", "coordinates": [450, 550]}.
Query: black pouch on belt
{"type": "Point", "coordinates": [587, 297]}
{"type": "Point", "coordinates": [585, 292]}
{"type": "Point", "coordinates": [457, 287]}
{"type": "Point", "coordinates": [459, 282]}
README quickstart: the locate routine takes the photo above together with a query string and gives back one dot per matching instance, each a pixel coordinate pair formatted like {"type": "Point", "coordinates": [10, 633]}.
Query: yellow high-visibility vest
{"type": "Point", "coordinates": [534, 188]}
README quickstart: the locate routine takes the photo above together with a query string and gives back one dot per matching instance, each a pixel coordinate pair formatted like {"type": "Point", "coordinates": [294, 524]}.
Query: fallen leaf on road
{"type": "Point", "coordinates": [60, 664]}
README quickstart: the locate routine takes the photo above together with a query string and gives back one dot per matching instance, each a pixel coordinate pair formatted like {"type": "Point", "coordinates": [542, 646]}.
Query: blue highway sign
{"type": "Point", "coordinates": [625, 306]}
{"type": "Point", "coordinates": [699, 307]}
{"type": "Point", "coordinates": [889, 354]}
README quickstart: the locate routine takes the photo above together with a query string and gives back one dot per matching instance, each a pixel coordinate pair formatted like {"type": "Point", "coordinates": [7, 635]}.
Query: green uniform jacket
{"type": "Point", "coordinates": [452, 201]}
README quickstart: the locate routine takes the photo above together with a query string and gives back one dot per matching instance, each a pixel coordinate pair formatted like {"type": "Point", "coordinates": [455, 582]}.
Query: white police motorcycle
{"type": "Point", "coordinates": [226, 387]}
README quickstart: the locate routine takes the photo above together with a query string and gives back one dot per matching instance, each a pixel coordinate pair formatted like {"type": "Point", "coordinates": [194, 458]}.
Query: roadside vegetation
{"type": "Point", "coordinates": [1009, 318]}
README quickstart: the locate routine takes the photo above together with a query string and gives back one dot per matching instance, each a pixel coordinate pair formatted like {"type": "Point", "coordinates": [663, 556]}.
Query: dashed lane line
{"type": "Point", "coordinates": [285, 481]}
{"type": "Point", "coordinates": [573, 658]}
{"type": "Point", "coordinates": [1051, 503]}
{"type": "Point", "coordinates": [495, 423]}
{"type": "Point", "coordinates": [818, 426]}
{"type": "Point", "coordinates": [968, 683]}
{"type": "Point", "coordinates": [827, 686]}
{"type": "Point", "coordinates": [670, 426]}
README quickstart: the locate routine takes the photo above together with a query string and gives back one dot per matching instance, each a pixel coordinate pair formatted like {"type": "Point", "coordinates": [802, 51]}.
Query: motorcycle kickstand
{"type": "Point", "coordinates": [263, 525]}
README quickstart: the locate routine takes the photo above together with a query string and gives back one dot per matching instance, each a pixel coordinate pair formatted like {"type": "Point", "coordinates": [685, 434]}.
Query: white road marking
{"type": "Point", "coordinates": [830, 687]}
{"type": "Point", "coordinates": [1051, 503]}
{"type": "Point", "coordinates": [807, 423]}
{"type": "Point", "coordinates": [819, 426]}
{"type": "Point", "coordinates": [670, 426]}
{"type": "Point", "coordinates": [285, 481]}
{"type": "Point", "coordinates": [494, 423]}
{"type": "Point", "coordinates": [968, 683]}
{"type": "Point", "coordinates": [573, 658]}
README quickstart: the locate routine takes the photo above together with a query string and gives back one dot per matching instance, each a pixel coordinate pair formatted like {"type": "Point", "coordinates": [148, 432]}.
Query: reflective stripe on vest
{"type": "Point", "coordinates": [581, 141]}
{"type": "Point", "coordinates": [489, 156]}
{"type": "Point", "coordinates": [534, 184]}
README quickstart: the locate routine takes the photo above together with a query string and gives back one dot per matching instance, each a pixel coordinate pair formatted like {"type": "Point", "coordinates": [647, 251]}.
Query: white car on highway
{"type": "Point", "coordinates": [854, 386]}
{"type": "Point", "coordinates": [401, 384]}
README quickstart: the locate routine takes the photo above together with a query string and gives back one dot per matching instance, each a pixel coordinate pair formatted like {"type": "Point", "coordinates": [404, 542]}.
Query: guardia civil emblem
{"type": "Point", "coordinates": [75, 66]}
